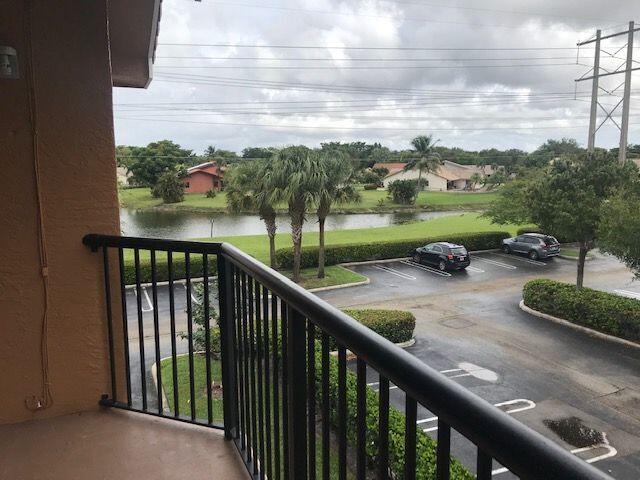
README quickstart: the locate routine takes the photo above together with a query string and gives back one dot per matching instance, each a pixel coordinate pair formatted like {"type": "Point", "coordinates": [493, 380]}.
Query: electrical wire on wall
{"type": "Point", "coordinates": [45, 400]}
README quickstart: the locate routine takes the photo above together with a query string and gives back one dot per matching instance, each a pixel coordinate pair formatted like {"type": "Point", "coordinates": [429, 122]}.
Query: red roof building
{"type": "Point", "coordinates": [204, 177]}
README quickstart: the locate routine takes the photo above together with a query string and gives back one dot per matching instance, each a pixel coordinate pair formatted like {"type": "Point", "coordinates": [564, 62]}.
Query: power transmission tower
{"type": "Point", "coordinates": [626, 67]}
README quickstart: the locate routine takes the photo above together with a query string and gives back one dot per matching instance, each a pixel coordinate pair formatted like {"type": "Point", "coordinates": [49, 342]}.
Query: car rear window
{"type": "Point", "coordinates": [459, 251]}
{"type": "Point", "coordinates": [550, 240]}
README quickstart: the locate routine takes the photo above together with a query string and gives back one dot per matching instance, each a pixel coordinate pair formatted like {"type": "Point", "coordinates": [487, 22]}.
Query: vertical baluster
{"type": "Point", "coordinates": [156, 330]}
{"type": "Point", "coordinates": [107, 294]}
{"type": "Point", "coordinates": [326, 452]}
{"type": "Point", "coordinates": [241, 349]}
{"type": "Point", "coordinates": [246, 351]}
{"type": "Point", "coordinates": [361, 442]}
{"type": "Point", "coordinates": [259, 368]}
{"type": "Point", "coordinates": [411, 417]}
{"type": "Point", "coordinates": [143, 368]}
{"type": "Point", "coordinates": [342, 412]}
{"type": "Point", "coordinates": [285, 389]}
{"type": "Point", "coordinates": [172, 321]}
{"type": "Point", "coordinates": [311, 397]}
{"type": "Point", "coordinates": [443, 451]}
{"type": "Point", "coordinates": [125, 326]}
{"type": "Point", "coordinates": [297, 394]}
{"type": "Point", "coordinates": [252, 377]}
{"type": "Point", "coordinates": [267, 381]}
{"type": "Point", "coordinates": [483, 466]}
{"type": "Point", "coordinates": [276, 397]}
{"type": "Point", "coordinates": [383, 430]}
{"type": "Point", "coordinates": [228, 346]}
{"type": "Point", "coordinates": [192, 391]}
{"type": "Point", "coordinates": [207, 335]}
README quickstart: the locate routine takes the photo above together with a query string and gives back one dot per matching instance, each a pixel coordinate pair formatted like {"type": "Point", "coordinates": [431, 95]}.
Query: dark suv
{"type": "Point", "coordinates": [443, 256]}
{"type": "Point", "coordinates": [534, 245]}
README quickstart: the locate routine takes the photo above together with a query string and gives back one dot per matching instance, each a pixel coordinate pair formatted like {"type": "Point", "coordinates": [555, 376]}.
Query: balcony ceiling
{"type": "Point", "coordinates": [133, 31]}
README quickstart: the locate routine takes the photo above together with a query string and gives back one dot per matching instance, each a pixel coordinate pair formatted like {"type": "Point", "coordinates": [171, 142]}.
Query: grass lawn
{"type": "Point", "coordinates": [334, 275]}
{"type": "Point", "coordinates": [199, 364]}
{"type": "Point", "coordinates": [141, 198]}
{"type": "Point", "coordinates": [572, 252]}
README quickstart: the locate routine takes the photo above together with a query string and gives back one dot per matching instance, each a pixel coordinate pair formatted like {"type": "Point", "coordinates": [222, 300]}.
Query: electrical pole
{"type": "Point", "coordinates": [596, 87]}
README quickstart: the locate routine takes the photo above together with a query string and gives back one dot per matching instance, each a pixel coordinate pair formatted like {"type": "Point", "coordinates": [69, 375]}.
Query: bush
{"type": "Point", "coordinates": [403, 191]}
{"type": "Point", "coordinates": [602, 311]}
{"type": "Point", "coordinates": [169, 187]}
{"type": "Point", "coordinates": [199, 331]}
{"type": "Point", "coordinates": [360, 252]}
{"type": "Point", "coordinates": [425, 445]}
{"type": "Point", "coordinates": [211, 193]}
{"type": "Point", "coordinates": [395, 325]}
{"type": "Point", "coordinates": [162, 269]}
{"type": "Point", "coordinates": [370, 186]}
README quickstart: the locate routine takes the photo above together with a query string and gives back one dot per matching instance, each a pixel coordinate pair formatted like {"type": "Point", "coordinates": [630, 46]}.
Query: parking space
{"type": "Point", "coordinates": [469, 328]}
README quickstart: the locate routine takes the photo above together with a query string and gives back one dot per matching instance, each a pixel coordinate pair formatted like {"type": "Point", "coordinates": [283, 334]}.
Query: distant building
{"type": "Point", "coordinates": [204, 177]}
{"type": "Point", "coordinates": [449, 176]}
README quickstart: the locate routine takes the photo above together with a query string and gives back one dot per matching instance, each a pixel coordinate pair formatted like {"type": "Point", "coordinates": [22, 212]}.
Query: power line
{"type": "Point", "coordinates": [351, 67]}
{"type": "Point", "coordinates": [360, 59]}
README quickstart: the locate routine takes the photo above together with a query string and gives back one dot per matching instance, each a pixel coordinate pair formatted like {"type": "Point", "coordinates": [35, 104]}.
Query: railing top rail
{"type": "Point", "coordinates": [525, 452]}
{"type": "Point", "coordinates": [96, 240]}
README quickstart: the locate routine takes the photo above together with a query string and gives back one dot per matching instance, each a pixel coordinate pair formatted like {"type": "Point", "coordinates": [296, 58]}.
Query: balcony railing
{"type": "Point", "coordinates": [286, 399]}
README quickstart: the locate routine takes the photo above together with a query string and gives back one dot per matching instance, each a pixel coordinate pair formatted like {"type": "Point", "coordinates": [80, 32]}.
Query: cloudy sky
{"type": "Point", "coordinates": [476, 75]}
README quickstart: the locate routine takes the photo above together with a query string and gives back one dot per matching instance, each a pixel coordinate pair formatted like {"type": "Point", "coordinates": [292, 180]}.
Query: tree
{"type": "Point", "coordinates": [146, 164]}
{"type": "Point", "coordinates": [170, 187]}
{"type": "Point", "coordinates": [295, 180]}
{"type": "Point", "coordinates": [403, 191]}
{"type": "Point", "coordinates": [426, 160]}
{"type": "Point", "coordinates": [249, 187]}
{"type": "Point", "coordinates": [498, 178]}
{"type": "Point", "coordinates": [259, 152]}
{"type": "Point", "coordinates": [335, 186]}
{"type": "Point", "coordinates": [619, 228]}
{"type": "Point", "coordinates": [197, 314]}
{"type": "Point", "coordinates": [475, 179]}
{"type": "Point", "coordinates": [565, 199]}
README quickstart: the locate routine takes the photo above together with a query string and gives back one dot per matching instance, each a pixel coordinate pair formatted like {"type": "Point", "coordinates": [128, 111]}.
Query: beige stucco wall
{"type": "Point", "coordinates": [78, 178]}
{"type": "Point", "coordinates": [436, 183]}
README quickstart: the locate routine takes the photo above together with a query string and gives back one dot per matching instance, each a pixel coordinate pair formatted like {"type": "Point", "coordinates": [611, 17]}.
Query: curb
{"type": "Point", "coordinates": [575, 259]}
{"type": "Point", "coordinates": [344, 285]}
{"type": "Point", "coordinates": [165, 401]}
{"type": "Point", "coordinates": [132, 286]}
{"type": "Point", "coordinates": [579, 328]}
{"type": "Point", "coordinates": [351, 355]}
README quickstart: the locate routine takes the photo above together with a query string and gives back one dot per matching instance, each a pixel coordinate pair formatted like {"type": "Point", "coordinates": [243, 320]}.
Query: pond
{"type": "Point", "coordinates": [180, 225]}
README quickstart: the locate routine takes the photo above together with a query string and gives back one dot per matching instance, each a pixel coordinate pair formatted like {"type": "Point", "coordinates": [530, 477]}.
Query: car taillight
{"type": "Point", "coordinates": [545, 247]}
{"type": "Point", "coordinates": [450, 257]}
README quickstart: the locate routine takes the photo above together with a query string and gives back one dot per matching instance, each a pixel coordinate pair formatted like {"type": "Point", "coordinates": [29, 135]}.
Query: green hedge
{"type": "Point", "coordinates": [395, 325]}
{"type": "Point", "coordinates": [602, 311]}
{"type": "Point", "coordinates": [425, 445]}
{"type": "Point", "coordinates": [162, 270]}
{"type": "Point", "coordinates": [359, 252]}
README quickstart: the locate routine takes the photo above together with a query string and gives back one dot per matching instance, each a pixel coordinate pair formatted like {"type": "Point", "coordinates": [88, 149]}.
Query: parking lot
{"type": "Point", "coordinates": [469, 327]}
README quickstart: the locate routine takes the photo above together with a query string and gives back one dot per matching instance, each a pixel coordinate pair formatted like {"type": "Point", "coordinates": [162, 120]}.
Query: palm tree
{"type": "Point", "coordinates": [426, 160]}
{"type": "Point", "coordinates": [335, 187]}
{"type": "Point", "coordinates": [295, 179]}
{"type": "Point", "coordinates": [249, 188]}
{"type": "Point", "coordinates": [475, 179]}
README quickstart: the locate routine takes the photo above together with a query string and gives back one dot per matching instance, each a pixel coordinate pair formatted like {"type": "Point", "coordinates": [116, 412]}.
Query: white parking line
{"type": "Point", "coordinates": [522, 259]}
{"type": "Point", "coordinates": [493, 262]}
{"type": "Point", "coordinates": [628, 294]}
{"type": "Point", "coordinates": [392, 271]}
{"type": "Point", "coordinates": [146, 296]}
{"type": "Point", "coordinates": [611, 452]}
{"type": "Point", "coordinates": [527, 405]}
{"type": "Point", "coordinates": [425, 268]}
{"type": "Point", "coordinates": [474, 269]}
{"type": "Point", "coordinates": [192, 296]}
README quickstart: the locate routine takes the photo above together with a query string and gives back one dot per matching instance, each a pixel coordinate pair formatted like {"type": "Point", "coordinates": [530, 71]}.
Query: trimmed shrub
{"type": "Point", "coordinates": [425, 445]}
{"type": "Point", "coordinates": [403, 192]}
{"type": "Point", "coordinates": [602, 311]}
{"type": "Point", "coordinates": [395, 325]}
{"type": "Point", "coordinates": [360, 252]}
{"type": "Point", "coordinates": [370, 186]}
{"type": "Point", "coordinates": [162, 269]}
{"type": "Point", "coordinates": [211, 193]}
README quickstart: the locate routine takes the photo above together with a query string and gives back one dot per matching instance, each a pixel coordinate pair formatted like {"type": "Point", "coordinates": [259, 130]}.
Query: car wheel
{"type": "Point", "coordinates": [506, 249]}
{"type": "Point", "coordinates": [442, 266]}
{"type": "Point", "coordinates": [416, 258]}
{"type": "Point", "coordinates": [533, 255]}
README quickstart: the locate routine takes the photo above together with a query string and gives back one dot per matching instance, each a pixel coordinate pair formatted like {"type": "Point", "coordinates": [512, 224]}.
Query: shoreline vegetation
{"type": "Point", "coordinates": [373, 201]}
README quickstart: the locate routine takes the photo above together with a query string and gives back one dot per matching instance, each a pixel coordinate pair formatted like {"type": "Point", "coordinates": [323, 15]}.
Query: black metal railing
{"type": "Point", "coordinates": [294, 408]}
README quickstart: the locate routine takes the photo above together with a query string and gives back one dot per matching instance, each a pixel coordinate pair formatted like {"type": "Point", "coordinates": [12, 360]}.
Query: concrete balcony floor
{"type": "Point", "coordinates": [115, 444]}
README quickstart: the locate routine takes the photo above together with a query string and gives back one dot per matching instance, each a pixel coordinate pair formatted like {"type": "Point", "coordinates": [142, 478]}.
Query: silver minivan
{"type": "Point", "coordinates": [534, 245]}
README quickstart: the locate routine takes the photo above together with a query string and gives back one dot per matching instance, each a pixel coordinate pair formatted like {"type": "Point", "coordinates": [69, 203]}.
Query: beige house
{"type": "Point", "coordinates": [449, 176]}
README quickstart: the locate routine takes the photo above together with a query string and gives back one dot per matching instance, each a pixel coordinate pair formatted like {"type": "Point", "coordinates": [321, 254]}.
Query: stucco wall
{"type": "Point", "coordinates": [435, 183]}
{"type": "Point", "coordinates": [78, 178]}
{"type": "Point", "coordinates": [199, 182]}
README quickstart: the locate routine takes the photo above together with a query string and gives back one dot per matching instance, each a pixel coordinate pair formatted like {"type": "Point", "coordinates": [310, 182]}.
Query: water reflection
{"type": "Point", "coordinates": [183, 225]}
